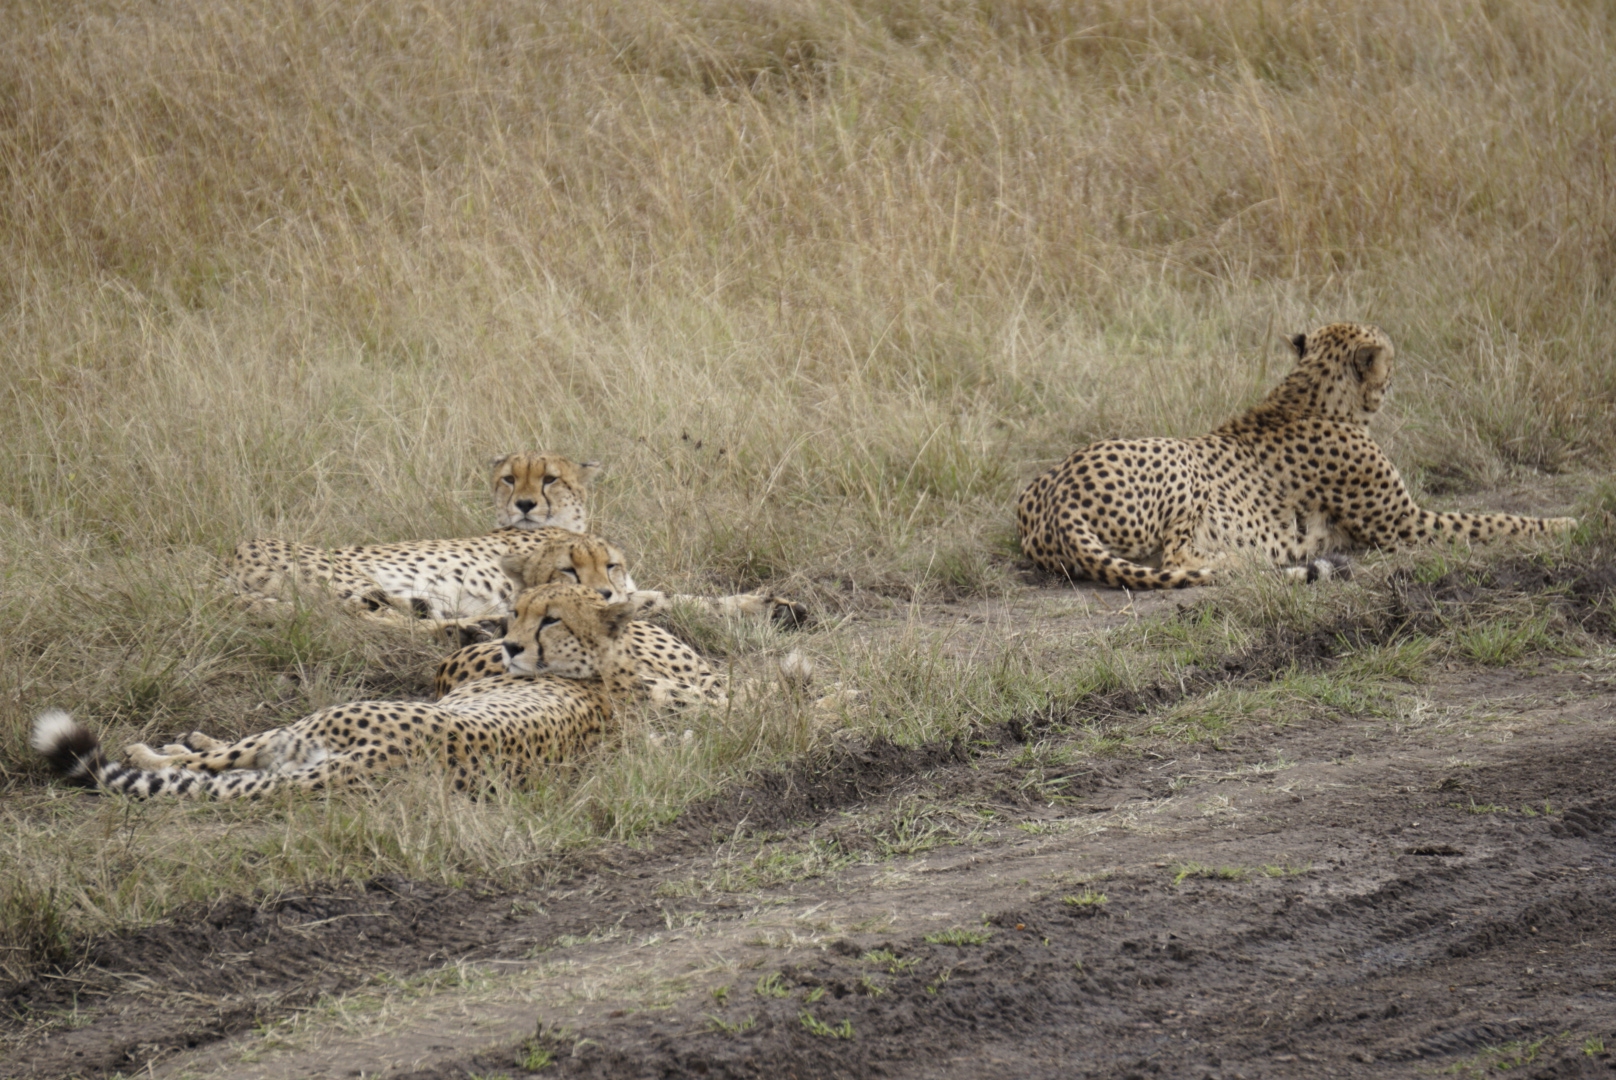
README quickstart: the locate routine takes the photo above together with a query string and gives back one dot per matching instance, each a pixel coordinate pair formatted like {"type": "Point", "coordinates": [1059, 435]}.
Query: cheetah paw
{"type": "Point", "coordinates": [1331, 566]}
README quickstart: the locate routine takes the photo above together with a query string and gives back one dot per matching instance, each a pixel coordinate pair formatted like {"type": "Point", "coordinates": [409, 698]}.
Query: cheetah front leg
{"type": "Point", "coordinates": [785, 613]}
{"type": "Point", "coordinates": [199, 753]}
{"type": "Point", "coordinates": [1184, 554]}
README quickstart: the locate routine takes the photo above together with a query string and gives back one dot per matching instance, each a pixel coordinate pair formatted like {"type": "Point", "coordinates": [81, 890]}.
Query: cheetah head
{"type": "Point", "coordinates": [1342, 372]}
{"type": "Point", "coordinates": [533, 490]}
{"type": "Point", "coordinates": [571, 558]}
{"type": "Point", "coordinates": [565, 630]}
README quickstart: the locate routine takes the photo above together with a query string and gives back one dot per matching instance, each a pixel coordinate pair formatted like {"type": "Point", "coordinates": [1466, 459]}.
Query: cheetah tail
{"type": "Point", "coordinates": [75, 754]}
{"type": "Point", "coordinates": [1082, 551]}
{"type": "Point", "coordinates": [73, 751]}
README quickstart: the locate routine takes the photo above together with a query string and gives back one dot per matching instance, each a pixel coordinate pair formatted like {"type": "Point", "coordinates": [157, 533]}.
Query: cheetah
{"type": "Point", "coordinates": [655, 668]}
{"type": "Point", "coordinates": [1293, 481]}
{"type": "Point", "coordinates": [448, 581]}
{"type": "Point", "coordinates": [559, 705]}
{"type": "Point", "coordinates": [459, 585]}
{"type": "Point", "coordinates": [667, 671]}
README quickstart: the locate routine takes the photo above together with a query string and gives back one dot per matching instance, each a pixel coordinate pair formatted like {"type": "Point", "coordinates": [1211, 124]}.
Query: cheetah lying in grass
{"type": "Point", "coordinates": [664, 671]}
{"type": "Point", "coordinates": [572, 674]}
{"type": "Point", "coordinates": [1296, 480]}
{"type": "Point", "coordinates": [459, 584]}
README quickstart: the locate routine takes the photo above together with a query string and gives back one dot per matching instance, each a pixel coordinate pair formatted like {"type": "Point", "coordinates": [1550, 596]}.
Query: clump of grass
{"type": "Point", "coordinates": [894, 964]}
{"type": "Point", "coordinates": [816, 1026]}
{"type": "Point", "coordinates": [732, 1027]}
{"type": "Point", "coordinates": [772, 985]}
{"type": "Point", "coordinates": [1183, 871]}
{"type": "Point", "coordinates": [1088, 898]}
{"type": "Point", "coordinates": [959, 936]}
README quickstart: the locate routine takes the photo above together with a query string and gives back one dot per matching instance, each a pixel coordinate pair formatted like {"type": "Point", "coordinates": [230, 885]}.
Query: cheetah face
{"type": "Point", "coordinates": [534, 490]}
{"type": "Point", "coordinates": [576, 559]}
{"type": "Point", "coordinates": [565, 630]}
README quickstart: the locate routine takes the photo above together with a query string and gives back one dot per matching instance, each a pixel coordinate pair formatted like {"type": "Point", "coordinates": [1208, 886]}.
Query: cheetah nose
{"type": "Point", "coordinates": [513, 650]}
{"type": "Point", "coordinates": [525, 505]}
{"type": "Point", "coordinates": [606, 594]}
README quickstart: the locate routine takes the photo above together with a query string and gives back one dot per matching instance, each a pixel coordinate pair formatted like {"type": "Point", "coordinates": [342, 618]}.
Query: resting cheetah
{"type": "Point", "coordinates": [1295, 478]}
{"type": "Point", "coordinates": [655, 667]}
{"type": "Point", "coordinates": [666, 669]}
{"type": "Point", "coordinates": [459, 584]}
{"type": "Point", "coordinates": [443, 580]}
{"type": "Point", "coordinates": [560, 705]}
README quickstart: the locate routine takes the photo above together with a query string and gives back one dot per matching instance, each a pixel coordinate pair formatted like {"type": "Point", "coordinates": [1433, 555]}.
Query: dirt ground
{"type": "Point", "coordinates": [1427, 890]}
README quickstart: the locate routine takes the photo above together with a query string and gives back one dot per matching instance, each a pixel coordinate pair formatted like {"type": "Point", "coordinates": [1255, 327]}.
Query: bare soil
{"type": "Point", "coordinates": [1429, 888]}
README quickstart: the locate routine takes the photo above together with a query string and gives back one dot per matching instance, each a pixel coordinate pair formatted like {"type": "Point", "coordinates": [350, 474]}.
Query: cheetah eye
{"type": "Point", "coordinates": [548, 480]}
{"type": "Point", "coordinates": [548, 620]}
{"type": "Point", "coordinates": [508, 481]}
{"type": "Point", "coordinates": [570, 572]}
{"type": "Point", "coordinates": [613, 566]}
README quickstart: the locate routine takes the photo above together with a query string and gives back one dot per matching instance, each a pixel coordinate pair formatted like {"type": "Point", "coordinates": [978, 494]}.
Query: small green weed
{"type": "Point", "coordinates": [895, 964]}
{"type": "Point", "coordinates": [959, 936]}
{"type": "Point", "coordinates": [1086, 898]}
{"type": "Point", "coordinates": [1273, 870]}
{"type": "Point", "coordinates": [718, 1023]}
{"type": "Point", "coordinates": [815, 1026]}
{"type": "Point", "coordinates": [1510, 1055]}
{"type": "Point", "coordinates": [1201, 870]}
{"type": "Point", "coordinates": [534, 1057]}
{"type": "Point", "coordinates": [772, 985]}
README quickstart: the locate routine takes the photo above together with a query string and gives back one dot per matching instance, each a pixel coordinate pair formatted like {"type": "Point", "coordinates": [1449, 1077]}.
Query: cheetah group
{"type": "Point", "coordinates": [554, 638]}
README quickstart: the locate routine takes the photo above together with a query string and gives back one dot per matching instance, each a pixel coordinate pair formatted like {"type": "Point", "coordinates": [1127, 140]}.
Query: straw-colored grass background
{"type": "Point", "coordinates": [822, 282]}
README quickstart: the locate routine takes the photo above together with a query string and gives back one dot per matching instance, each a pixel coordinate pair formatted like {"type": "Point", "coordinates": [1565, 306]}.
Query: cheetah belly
{"type": "Point", "coordinates": [449, 583]}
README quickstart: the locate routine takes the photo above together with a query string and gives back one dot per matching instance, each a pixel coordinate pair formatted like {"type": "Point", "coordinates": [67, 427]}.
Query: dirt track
{"type": "Point", "coordinates": [1400, 893]}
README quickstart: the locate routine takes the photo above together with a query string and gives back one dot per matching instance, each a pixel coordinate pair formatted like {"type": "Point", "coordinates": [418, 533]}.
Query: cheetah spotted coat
{"type": "Point", "coordinates": [1293, 479]}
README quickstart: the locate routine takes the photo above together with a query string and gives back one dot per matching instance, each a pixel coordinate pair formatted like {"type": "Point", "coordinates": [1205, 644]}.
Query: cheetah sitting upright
{"type": "Point", "coordinates": [458, 584]}
{"type": "Point", "coordinates": [1295, 478]}
{"type": "Point", "coordinates": [562, 703]}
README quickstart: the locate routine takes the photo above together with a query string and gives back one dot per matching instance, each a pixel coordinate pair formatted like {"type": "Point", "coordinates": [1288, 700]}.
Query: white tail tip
{"type": "Point", "coordinates": [51, 728]}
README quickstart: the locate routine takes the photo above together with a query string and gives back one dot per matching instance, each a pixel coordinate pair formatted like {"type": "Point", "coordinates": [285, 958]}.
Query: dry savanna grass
{"type": "Point", "coordinates": [822, 283]}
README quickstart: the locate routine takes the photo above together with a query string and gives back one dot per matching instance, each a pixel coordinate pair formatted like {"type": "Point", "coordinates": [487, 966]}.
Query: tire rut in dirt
{"type": "Point", "coordinates": [1443, 958]}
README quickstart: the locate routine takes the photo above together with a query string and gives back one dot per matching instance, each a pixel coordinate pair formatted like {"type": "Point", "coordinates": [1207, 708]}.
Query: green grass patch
{"type": "Point", "coordinates": [814, 1026]}
{"type": "Point", "coordinates": [1183, 871]}
{"type": "Point", "coordinates": [959, 936]}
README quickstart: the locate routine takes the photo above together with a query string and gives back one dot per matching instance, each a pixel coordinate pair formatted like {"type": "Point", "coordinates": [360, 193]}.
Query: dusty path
{"type": "Point", "coordinates": [1396, 895]}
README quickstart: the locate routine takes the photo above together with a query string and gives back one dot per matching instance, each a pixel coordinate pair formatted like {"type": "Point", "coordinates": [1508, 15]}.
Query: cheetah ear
{"type": "Point", "coordinates": [1299, 343]}
{"type": "Point", "coordinates": [1363, 361]}
{"type": "Point", "coordinates": [515, 567]}
{"type": "Point", "coordinates": [494, 463]}
{"type": "Point", "coordinates": [588, 470]}
{"type": "Point", "coordinates": [615, 618]}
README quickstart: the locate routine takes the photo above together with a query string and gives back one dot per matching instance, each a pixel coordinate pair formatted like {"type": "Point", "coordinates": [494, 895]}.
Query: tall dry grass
{"type": "Point", "coordinates": [823, 283]}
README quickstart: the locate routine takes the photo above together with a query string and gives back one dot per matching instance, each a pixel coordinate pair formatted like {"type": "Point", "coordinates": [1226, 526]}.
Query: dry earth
{"type": "Point", "coordinates": [1427, 889]}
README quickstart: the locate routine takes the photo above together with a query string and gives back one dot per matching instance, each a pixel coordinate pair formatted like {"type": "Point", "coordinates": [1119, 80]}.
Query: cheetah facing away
{"type": "Point", "coordinates": [1295, 479]}
{"type": "Point", "coordinates": [560, 705]}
